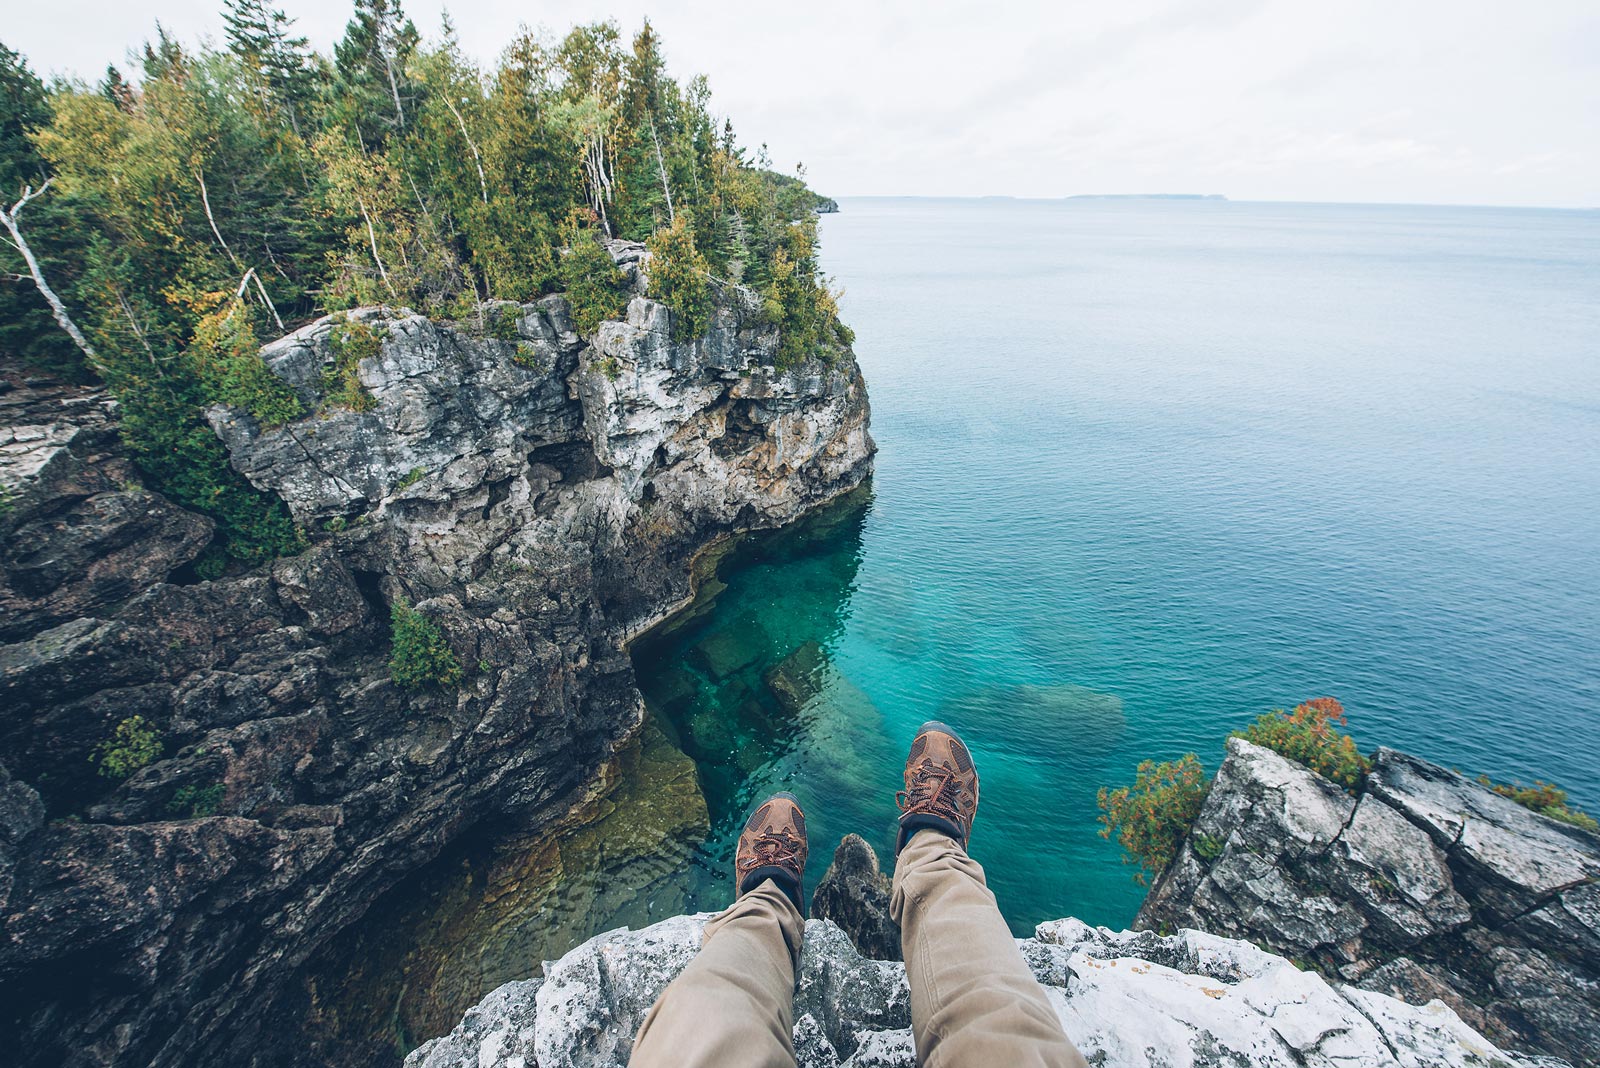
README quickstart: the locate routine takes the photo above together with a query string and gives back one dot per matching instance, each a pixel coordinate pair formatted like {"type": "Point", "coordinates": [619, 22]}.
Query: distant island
{"type": "Point", "coordinates": [1146, 196]}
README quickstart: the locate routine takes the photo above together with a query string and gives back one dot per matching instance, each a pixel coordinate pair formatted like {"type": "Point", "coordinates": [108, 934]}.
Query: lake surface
{"type": "Point", "coordinates": [1147, 470]}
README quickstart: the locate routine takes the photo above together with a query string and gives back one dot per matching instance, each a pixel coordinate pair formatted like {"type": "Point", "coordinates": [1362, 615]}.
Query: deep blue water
{"type": "Point", "coordinates": [1147, 470]}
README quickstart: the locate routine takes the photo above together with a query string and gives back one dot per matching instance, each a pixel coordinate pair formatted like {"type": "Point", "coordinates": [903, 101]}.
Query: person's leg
{"type": "Point", "coordinates": [734, 1003]}
{"type": "Point", "coordinates": [973, 999]}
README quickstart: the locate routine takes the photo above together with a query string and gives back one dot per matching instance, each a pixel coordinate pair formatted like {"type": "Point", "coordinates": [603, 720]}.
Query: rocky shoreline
{"type": "Point", "coordinates": [538, 495]}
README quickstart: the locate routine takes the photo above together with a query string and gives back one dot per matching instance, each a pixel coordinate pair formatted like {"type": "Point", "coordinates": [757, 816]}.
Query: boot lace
{"type": "Point", "coordinates": [778, 849]}
{"type": "Point", "coordinates": [935, 789]}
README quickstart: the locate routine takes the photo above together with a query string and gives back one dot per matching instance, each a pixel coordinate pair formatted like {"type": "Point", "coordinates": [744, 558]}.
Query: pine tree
{"type": "Point", "coordinates": [373, 94]}
{"type": "Point", "coordinates": [277, 62]}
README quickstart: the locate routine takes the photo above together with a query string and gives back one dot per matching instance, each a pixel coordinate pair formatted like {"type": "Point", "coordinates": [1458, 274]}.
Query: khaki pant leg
{"type": "Point", "coordinates": [974, 1003]}
{"type": "Point", "coordinates": [734, 1004]}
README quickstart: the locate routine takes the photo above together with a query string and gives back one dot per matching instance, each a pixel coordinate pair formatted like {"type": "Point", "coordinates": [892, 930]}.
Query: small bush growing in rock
{"type": "Point", "coordinates": [1150, 818]}
{"type": "Point", "coordinates": [195, 802]}
{"type": "Point", "coordinates": [352, 341]}
{"type": "Point", "coordinates": [228, 355]}
{"type": "Point", "coordinates": [420, 656]}
{"type": "Point", "coordinates": [1307, 735]}
{"type": "Point", "coordinates": [134, 744]}
{"type": "Point", "coordinates": [1545, 798]}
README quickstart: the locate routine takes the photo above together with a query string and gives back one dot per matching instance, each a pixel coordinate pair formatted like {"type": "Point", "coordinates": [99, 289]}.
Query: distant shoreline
{"type": "Point", "coordinates": [1145, 196]}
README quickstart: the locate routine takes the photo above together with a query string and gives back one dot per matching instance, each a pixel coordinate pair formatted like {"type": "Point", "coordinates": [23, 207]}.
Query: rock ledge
{"type": "Point", "coordinates": [1127, 999]}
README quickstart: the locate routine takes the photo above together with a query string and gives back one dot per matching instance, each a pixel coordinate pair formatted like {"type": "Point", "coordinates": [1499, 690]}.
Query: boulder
{"type": "Point", "coordinates": [1425, 885]}
{"type": "Point", "coordinates": [854, 894]}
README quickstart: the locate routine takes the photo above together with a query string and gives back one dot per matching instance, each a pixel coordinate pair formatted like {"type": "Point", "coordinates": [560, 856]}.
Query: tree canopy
{"type": "Point", "coordinates": [222, 195]}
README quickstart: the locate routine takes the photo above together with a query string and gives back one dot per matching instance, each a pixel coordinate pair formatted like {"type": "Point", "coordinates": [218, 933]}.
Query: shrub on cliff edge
{"type": "Point", "coordinates": [1545, 798]}
{"type": "Point", "coordinates": [680, 279]}
{"type": "Point", "coordinates": [1151, 817]}
{"type": "Point", "coordinates": [1307, 736]}
{"type": "Point", "coordinates": [420, 657]}
{"type": "Point", "coordinates": [590, 277]}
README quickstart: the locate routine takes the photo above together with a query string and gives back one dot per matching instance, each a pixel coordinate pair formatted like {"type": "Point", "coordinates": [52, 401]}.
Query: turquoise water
{"type": "Point", "coordinates": [1149, 469]}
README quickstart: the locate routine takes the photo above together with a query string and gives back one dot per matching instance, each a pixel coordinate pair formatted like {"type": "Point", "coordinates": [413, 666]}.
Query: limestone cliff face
{"type": "Point", "coordinates": [1425, 885]}
{"type": "Point", "coordinates": [539, 495]}
{"type": "Point", "coordinates": [1128, 1000]}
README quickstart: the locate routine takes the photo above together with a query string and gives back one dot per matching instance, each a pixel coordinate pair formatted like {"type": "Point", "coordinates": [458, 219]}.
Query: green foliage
{"type": "Point", "coordinates": [420, 656]}
{"type": "Point", "coordinates": [1547, 799]}
{"type": "Point", "coordinates": [590, 278]}
{"type": "Point", "coordinates": [351, 341]}
{"type": "Point", "coordinates": [1308, 735]}
{"type": "Point", "coordinates": [1150, 818]}
{"type": "Point", "coordinates": [184, 460]}
{"type": "Point", "coordinates": [134, 744]}
{"type": "Point", "coordinates": [211, 563]}
{"type": "Point", "coordinates": [680, 279]}
{"type": "Point", "coordinates": [527, 355]}
{"type": "Point", "coordinates": [411, 478]}
{"type": "Point", "coordinates": [1207, 847]}
{"type": "Point", "coordinates": [228, 355]}
{"type": "Point", "coordinates": [27, 328]}
{"type": "Point", "coordinates": [503, 324]}
{"type": "Point", "coordinates": [194, 803]}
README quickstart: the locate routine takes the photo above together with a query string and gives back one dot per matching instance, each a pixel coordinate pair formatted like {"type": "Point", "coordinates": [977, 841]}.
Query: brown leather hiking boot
{"type": "Point", "coordinates": [941, 786]}
{"type": "Point", "coordinates": [773, 846]}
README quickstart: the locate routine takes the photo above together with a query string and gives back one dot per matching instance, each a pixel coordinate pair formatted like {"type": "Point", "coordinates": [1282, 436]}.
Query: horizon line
{"type": "Point", "coordinates": [1207, 198]}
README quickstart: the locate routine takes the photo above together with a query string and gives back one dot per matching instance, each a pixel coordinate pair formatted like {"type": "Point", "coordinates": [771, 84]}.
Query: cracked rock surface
{"type": "Point", "coordinates": [1426, 885]}
{"type": "Point", "coordinates": [1128, 1000]}
{"type": "Point", "coordinates": [538, 495]}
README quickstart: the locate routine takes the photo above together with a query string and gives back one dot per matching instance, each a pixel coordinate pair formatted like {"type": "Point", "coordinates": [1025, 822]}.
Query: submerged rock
{"type": "Point", "coordinates": [854, 894]}
{"type": "Point", "coordinates": [1093, 720]}
{"type": "Point", "coordinates": [1426, 885]}
{"type": "Point", "coordinates": [1127, 1000]}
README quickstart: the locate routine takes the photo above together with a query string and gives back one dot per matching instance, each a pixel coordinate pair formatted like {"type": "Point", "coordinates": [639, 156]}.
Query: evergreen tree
{"type": "Point", "coordinates": [277, 63]}
{"type": "Point", "coordinates": [374, 94]}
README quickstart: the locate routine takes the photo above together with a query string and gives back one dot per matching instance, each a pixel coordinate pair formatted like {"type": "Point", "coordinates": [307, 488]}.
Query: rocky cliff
{"type": "Point", "coordinates": [540, 496]}
{"type": "Point", "coordinates": [1128, 1000]}
{"type": "Point", "coordinates": [1424, 884]}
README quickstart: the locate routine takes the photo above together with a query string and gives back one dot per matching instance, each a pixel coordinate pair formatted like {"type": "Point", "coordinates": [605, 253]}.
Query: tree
{"type": "Point", "coordinates": [12, 220]}
{"type": "Point", "coordinates": [373, 92]}
{"type": "Point", "coordinates": [277, 63]}
{"type": "Point", "coordinates": [30, 327]}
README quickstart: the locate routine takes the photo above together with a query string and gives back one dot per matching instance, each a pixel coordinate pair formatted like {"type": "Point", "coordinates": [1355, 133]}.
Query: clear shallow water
{"type": "Point", "coordinates": [1149, 469]}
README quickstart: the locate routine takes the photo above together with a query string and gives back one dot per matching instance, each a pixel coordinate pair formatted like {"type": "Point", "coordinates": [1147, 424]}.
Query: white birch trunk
{"type": "Point", "coordinates": [13, 222]}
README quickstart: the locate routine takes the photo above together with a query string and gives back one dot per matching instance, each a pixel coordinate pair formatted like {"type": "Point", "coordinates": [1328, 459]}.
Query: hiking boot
{"type": "Point", "coordinates": [941, 786]}
{"type": "Point", "coordinates": [773, 846]}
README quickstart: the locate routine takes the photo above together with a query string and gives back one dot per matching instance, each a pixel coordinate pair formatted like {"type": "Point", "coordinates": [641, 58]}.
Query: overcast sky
{"type": "Point", "coordinates": [1437, 101]}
